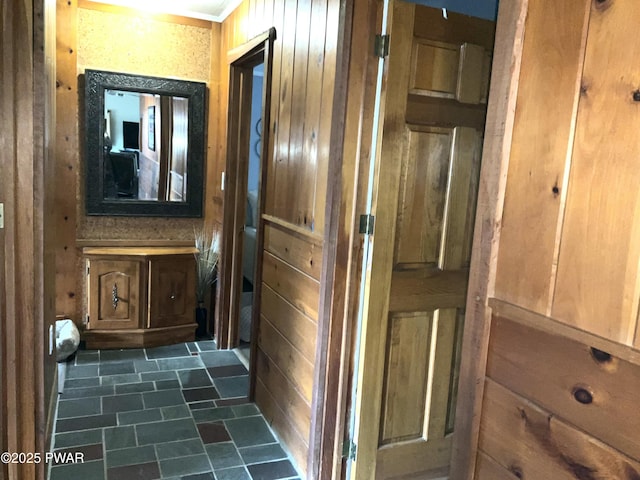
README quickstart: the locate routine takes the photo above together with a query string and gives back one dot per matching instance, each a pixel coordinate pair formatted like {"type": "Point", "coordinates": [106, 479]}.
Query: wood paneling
{"type": "Point", "coordinates": [533, 442]}
{"type": "Point", "coordinates": [488, 469]}
{"type": "Point", "coordinates": [298, 288]}
{"type": "Point", "coordinates": [540, 152]}
{"type": "Point", "coordinates": [296, 327]}
{"type": "Point", "coordinates": [305, 254]}
{"type": "Point", "coordinates": [549, 369]}
{"type": "Point", "coordinates": [27, 295]}
{"type": "Point", "coordinates": [598, 268]}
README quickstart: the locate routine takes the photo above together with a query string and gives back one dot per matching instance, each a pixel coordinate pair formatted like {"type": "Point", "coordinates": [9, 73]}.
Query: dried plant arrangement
{"type": "Point", "coordinates": [207, 255]}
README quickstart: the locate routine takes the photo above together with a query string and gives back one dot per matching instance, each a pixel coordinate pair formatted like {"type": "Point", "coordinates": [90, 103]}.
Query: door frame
{"type": "Point", "coordinates": [241, 61]}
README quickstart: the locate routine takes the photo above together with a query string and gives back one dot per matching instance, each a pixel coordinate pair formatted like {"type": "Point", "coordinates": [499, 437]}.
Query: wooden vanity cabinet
{"type": "Point", "coordinates": [139, 297]}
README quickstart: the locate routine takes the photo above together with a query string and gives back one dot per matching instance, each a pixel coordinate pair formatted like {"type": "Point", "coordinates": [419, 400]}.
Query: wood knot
{"type": "Point", "coordinates": [582, 395]}
{"type": "Point", "coordinates": [636, 96]}
{"type": "Point", "coordinates": [603, 4]}
{"type": "Point", "coordinates": [600, 356]}
{"type": "Point", "coordinates": [517, 471]}
{"type": "Point", "coordinates": [555, 190]}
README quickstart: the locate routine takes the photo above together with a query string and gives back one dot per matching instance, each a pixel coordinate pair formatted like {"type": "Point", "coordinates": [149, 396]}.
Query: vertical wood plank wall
{"type": "Point", "coordinates": [563, 359]}
{"type": "Point", "coordinates": [27, 78]}
{"type": "Point", "coordinates": [301, 100]}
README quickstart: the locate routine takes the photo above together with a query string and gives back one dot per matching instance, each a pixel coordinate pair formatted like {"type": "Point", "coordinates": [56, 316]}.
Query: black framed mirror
{"type": "Point", "coordinates": [144, 145]}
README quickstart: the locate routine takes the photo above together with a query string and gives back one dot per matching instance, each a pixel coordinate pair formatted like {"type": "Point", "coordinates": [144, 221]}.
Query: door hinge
{"type": "Point", "coordinates": [87, 321]}
{"type": "Point", "coordinates": [349, 449]}
{"type": "Point", "coordinates": [366, 224]}
{"type": "Point", "coordinates": [1, 216]}
{"type": "Point", "coordinates": [381, 45]}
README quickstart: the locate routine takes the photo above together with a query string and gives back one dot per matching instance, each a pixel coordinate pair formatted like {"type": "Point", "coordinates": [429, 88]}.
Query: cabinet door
{"type": "Point", "coordinates": [172, 290]}
{"type": "Point", "coordinates": [114, 294]}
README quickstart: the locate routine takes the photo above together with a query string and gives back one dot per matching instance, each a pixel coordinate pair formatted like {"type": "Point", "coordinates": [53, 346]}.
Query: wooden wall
{"type": "Point", "coordinates": [562, 360]}
{"type": "Point", "coordinates": [27, 294]}
{"type": "Point", "coordinates": [304, 66]}
{"type": "Point", "coordinates": [103, 37]}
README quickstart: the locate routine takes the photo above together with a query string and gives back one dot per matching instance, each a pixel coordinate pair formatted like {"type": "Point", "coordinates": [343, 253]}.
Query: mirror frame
{"type": "Point", "coordinates": [96, 82]}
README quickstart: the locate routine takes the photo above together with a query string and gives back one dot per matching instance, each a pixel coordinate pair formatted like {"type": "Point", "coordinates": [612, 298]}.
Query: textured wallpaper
{"type": "Point", "coordinates": [122, 43]}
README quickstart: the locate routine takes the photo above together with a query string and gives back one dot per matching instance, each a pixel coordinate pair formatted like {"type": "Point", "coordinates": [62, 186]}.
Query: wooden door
{"type": "Point", "coordinates": [424, 206]}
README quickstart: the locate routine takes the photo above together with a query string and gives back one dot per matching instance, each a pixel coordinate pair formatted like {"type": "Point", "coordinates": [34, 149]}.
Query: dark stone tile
{"type": "Point", "coordinates": [194, 378]}
{"type": "Point", "coordinates": [185, 465]}
{"type": "Point", "coordinates": [162, 432]}
{"type": "Point", "coordinates": [213, 432]}
{"type": "Point", "coordinates": [246, 410]}
{"type": "Point", "coordinates": [232, 401]}
{"type": "Point", "coordinates": [126, 355]}
{"type": "Point", "coordinates": [82, 382]}
{"type": "Point", "coordinates": [143, 471]}
{"type": "Point", "coordinates": [80, 407]}
{"type": "Point", "coordinates": [121, 379]}
{"type": "Point", "coordinates": [199, 394]}
{"type": "Point", "coordinates": [232, 387]}
{"type": "Point", "coordinates": [182, 448]}
{"type": "Point", "coordinates": [176, 411]}
{"type": "Point", "coordinates": [131, 456]}
{"type": "Point", "coordinates": [78, 471]}
{"type": "Point", "coordinates": [235, 473]}
{"type": "Point", "coordinates": [249, 431]}
{"type": "Point", "coordinates": [168, 351]}
{"type": "Point", "coordinates": [83, 437]}
{"type": "Point", "coordinates": [167, 384]}
{"type": "Point", "coordinates": [82, 371]}
{"type": "Point", "coordinates": [151, 376]}
{"type": "Point", "coordinates": [183, 363]}
{"type": "Point", "coordinates": [262, 453]}
{"type": "Point", "coordinates": [85, 357]}
{"type": "Point", "coordinates": [85, 423]}
{"type": "Point", "coordinates": [122, 403]}
{"type": "Point", "coordinates": [88, 452]}
{"type": "Point", "coordinates": [212, 414]}
{"type": "Point", "coordinates": [192, 347]}
{"type": "Point", "coordinates": [86, 392]}
{"type": "Point", "coordinates": [223, 455]}
{"type": "Point", "coordinates": [144, 366]}
{"type": "Point", "coordinates": [272, 470]}
{"type": "Point", "coordinates": [201, 405]}
{"type": "Point", "coordinates": [116, 368]}
{"type": "Point", "coordinates": [140, 416]}
{"type": "Point", "coordinates": [135, 387]}
{"type": "Point", "coordinates": [119, 437]}
{"type": "Point", "coordinates": [199, 476]}
{"type": "Point", "coordinates": [164, 398]}
{"type": "Point", "coordinates": [219, 358]}
{"type": "Point", "coordinates": [227, 371]}
{"type": "Point", "coordinates": [207, 345]}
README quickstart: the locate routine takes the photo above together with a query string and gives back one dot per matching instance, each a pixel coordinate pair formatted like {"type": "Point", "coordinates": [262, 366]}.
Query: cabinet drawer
{"type": "Point", "coordinates": [114, 294]}
{"type": "Point", "coordinates": [590, 388]}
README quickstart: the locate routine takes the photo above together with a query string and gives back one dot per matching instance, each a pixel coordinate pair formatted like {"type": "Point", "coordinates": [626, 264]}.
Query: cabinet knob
{"type": "Point", "coordinates": [172, 296]}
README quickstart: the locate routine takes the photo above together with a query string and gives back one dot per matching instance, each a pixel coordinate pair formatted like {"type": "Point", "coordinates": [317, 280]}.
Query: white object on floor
{"type": "Point", "coordinates": [67, 339]}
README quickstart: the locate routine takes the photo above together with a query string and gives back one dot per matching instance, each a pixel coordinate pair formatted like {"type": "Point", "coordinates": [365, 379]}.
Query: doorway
{"type": "Point", "coordinates": [247, 151]}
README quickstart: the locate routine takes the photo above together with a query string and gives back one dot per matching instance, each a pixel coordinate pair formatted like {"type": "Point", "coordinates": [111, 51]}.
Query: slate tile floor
{"type": "Point", "coordinates": [173, 412]}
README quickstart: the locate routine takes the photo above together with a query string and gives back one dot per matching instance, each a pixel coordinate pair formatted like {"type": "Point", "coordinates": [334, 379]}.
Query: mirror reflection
{"type": "Point", "coordinates": [145, 146]}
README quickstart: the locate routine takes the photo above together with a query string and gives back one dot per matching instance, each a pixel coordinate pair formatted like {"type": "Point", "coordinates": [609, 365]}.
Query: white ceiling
{"type": "Point", "coordinates": [213, 10]}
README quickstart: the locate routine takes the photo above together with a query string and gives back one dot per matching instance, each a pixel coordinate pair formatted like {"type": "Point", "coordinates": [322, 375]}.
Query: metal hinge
{"type": "Point", "coordinates": [381, 46]}
{"type": "Point", "coordinates": [88, 269]}
{"type": "Point", "coordinates": [87, 322]}
{"type": "Point", "coordinates": [366, 224]}
{"type": "Point", "coordinates": [349, 449]}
